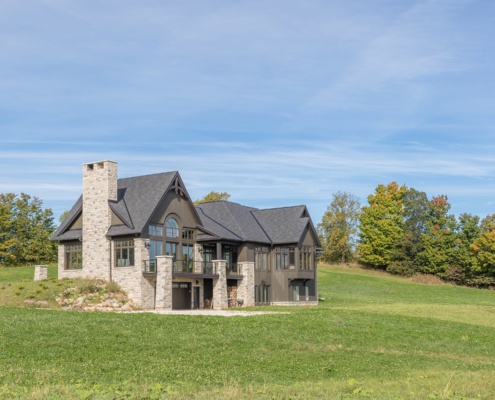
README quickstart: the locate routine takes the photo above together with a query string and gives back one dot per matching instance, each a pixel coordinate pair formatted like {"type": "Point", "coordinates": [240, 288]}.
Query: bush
{"type": "Point", "coordinates": [454, 274]}
{"type": "Point", "coordinates": [427, 279]}
{"type": "Point", "coordinates": [400, 268]}
{"type": "Point", "coordinates": [113, 287]}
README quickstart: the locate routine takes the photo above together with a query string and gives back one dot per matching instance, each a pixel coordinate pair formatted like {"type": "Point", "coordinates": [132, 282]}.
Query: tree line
{"type": "Point", "coordinates": [404, 232]}
{"type": "Point", "coordinates": [25, 230]}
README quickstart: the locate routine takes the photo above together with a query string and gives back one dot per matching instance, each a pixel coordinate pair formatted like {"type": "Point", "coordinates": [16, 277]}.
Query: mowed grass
{"type": "Point", "coordinates": [374, 336]}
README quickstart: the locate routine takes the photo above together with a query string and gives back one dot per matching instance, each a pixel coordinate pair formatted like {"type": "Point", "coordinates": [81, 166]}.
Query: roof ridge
{"type": "Point", "coordinates": [147, 175]}
{"type": "Point", "coordinates": [219, 224]}
{"type": "Point", "coordinates": [262, 228]}
{"type": "Point", "coordinates": [279, 208]}
{"type": "Point", "coordinates": [243, 234]}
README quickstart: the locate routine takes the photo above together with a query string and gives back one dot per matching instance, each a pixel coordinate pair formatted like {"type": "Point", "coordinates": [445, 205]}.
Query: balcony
{"type": "Point", "coordinates": [234, 269]}
{"type": "Point", "coordinates": [149, 266]}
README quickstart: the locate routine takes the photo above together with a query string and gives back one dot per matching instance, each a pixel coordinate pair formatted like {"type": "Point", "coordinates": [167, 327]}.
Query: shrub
{"type": "Point", "coordinates": [400, 268]}
{"type": "Point", "coordinates": [113, 287]}
{"type": "Point", "coordinates": [427, 279]}
{"type": "Point", "coordinates": [454, 274]}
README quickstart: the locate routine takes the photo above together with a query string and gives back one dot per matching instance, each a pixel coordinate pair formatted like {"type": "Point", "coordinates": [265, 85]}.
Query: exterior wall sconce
{"type": "Point", "coordinates": [147, 244]}
{"type": "Point", "coordinates": [201, 249]}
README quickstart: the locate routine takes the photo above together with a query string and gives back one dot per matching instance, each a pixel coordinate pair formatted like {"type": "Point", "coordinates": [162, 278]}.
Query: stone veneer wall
{"type": "Point", "coordinates": [66, 273]}
{"type": "Point", "coordinates": [163, 282]}
{"type": "Point", "coordinates": [40, 272]}
{"type": "Point", "coordinates": [99, 186]}
{"type": "Point", "coordinates": [245, 290]}
{"type": "Point", "coordinates": [131, 278]}
{"type": "Point", "coordinates": [220, 299]}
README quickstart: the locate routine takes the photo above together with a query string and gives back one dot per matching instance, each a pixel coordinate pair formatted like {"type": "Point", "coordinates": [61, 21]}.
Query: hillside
{"type": "Point", "coordinates": [374, 336]}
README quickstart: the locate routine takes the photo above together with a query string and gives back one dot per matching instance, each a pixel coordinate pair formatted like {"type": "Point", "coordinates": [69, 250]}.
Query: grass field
{"type": "Point", "coordinates": [375, 336]}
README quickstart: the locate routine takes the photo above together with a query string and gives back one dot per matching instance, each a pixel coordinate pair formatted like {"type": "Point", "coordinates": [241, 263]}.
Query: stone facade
{"type": "Point", "coordinates": [245, 290]}
{"type": "Point", "coordinates": [99, 186]}
{"type": "Point", "coordinates": [220, 299]}
{"type": "Point", "coordinates": [164, 266]}
{"type": "Point", "coordinates": [131, 278]}
{"type": "Point", "coordinates": [40, 272]}
{"type": "Point", "coordinates": [154, 289]}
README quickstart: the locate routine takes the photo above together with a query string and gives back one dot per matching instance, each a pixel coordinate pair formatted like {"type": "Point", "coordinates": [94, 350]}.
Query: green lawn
{"type": "Point", "coordinates": [375, 336]}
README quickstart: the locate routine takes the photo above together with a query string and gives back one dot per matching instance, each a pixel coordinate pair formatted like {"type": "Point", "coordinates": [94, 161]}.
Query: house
{"type": "Point", "coordinates": [146, 234]}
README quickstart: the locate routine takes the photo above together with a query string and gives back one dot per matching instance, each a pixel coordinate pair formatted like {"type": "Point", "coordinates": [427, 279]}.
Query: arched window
{"type": "Point", "coordinates": [172, 228]}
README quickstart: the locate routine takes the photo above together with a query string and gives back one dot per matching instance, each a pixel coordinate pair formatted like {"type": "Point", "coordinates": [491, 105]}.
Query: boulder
{"type": "Point", "coordinates": [41, 304]}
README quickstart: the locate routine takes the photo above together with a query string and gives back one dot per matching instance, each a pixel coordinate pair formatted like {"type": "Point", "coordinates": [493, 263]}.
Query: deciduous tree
{"type": "Point", "coordinates": [26, 230]}
{"type": "Point", "coordinates": [213, 196]}
{"type": "Point", "coordinates": [381, 224]}
{"type": "Point", "coordinates": [338, 227]}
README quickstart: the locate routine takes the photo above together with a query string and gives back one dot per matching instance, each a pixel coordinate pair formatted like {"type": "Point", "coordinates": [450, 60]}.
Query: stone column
{"type": "Point", "coordinates": [245, 290]}
{"type": "Point", "coordinates": [198, 259]}
{"type": "Point", "coordinates": [163, 282]}
{"type": "Point", "coordinates": [40, 272]}
{"type": "Point", "coordinates": [220, 299]}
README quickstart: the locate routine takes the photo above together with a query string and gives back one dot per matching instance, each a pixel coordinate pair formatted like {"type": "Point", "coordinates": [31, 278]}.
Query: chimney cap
{"type": "Point", "coordinates": [99, 162]}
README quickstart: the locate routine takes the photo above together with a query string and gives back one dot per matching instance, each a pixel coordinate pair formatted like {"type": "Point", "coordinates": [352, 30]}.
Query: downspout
{"type": "Point", "coordinates": [110, 258]}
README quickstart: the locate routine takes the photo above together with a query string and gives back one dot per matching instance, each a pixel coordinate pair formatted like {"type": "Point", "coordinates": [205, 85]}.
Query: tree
{"type": "Point", "coordinates": [338, 227]}
{"type": "Point", "coordinates": [63, 216]}
{"type": "Point", "coordinates": [440, 244]}
{"type": "Point", "coordinates": [25, 230]}
{"type": "Point", "coordinates": [381, 225]}
{"type": "Point", "coordinates": [483, 250]}
{"type": "Point", "coordinates": [409, 245]}
{"type": "Point", "coordinates": [213, 196]}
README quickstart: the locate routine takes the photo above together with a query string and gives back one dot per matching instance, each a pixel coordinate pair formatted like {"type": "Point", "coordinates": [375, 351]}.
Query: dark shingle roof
{"type": "Point", "coordinates": [137, 198]}
{"type": "Point", "coordinates": [233, 221]}
{"type": "Point", "coordinates": [71, 217]}
{"type": "Point", "coordinates": [283, 225]}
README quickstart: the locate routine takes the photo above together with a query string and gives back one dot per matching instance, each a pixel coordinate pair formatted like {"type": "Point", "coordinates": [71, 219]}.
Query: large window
{"type": "Point", "coordinates": [284, 257]}
{"type": "Point", "coordinates": [124, 253]}
{"type": "Point", "coordinates": [187, 257]}
{"type": "Point", "coordinates": [262, 294]}
{"type": "Point", "coordinates": [172, 228]}
{"type": "Point", "coordinates": [156, 249]}
{"type": "Point", "coordinates": [261, 258]}
{"type": "Point", "coordinates": [208, 257]}
{"type": "Point", "coordinates": [171, 250]}
{"type": "Point", "coordinates": [188, 234]}
{"type": "Point", "coordinates": [73, 256]}
{"type": "Point", "coordinates": [305, 257]}
{"type": "Point", "coordinates": [156, 230]}
{"type": "Point", "coordinates": [295, 292]}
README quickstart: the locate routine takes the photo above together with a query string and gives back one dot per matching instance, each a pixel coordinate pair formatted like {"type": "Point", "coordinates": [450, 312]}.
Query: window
{"type": "Point", "coordinates": [156, 230]}
{"type": "Point", "coordinates": [73, 256]}
{"type": "Point", "coordinates": [124, 253]}
{"type": "Point", "coordinates": [188, 234]}
{"type": "Point", "coordinates": [261, 258]}
{"type": "Point", "coordinates": [262, 294]}
{"type": "Point", "coordinates": [284, 257]}
{"type": "Point", "coordinates": [156, 249]}
{"type": "Point", "coordinates": [208, 256]}
{"type": "Point", "coordinates": [172, 228]}
{"type": "Point", "coordinates": [295, 293]}
{"type": "Point", "coordinates": [305, 258]}
{"type": "Point", "coordinates": [171, 250]}
{"type": "Point", "coordinates": [187, 257]}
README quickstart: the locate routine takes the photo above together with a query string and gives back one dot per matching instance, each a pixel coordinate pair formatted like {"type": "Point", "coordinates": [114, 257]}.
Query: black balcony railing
{"type": "Point", "coordinates": [149, 266]}
{"type": "Point", "coordinates": [209, 268]}
{"type": "Point", "coordinates": [234, 269]}
{"type": "Point", "coordinates": [184, 266]}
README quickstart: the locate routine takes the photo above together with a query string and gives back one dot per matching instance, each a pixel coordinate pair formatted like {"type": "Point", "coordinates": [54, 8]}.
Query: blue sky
{"type": "Point", "coordinates": [276, 102]}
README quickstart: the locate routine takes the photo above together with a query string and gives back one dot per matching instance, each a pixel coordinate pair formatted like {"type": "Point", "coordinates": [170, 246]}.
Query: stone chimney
{"type": "Point", "coordinates": [99, 186]}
